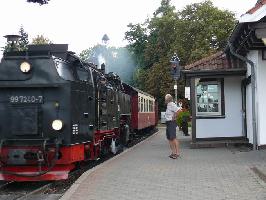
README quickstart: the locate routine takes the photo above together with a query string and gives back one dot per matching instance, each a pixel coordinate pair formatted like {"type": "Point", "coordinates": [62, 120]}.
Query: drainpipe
{"type": "Point", "coordinates": [244, 116]}
{"type": "Point", "coordinates": [253, 88]}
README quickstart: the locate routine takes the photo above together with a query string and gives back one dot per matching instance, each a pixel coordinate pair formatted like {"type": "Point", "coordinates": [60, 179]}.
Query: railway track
{"type": "Point", "coordinates": [3, 184]}
{"type": "Point", "coordinates": [21, 190]}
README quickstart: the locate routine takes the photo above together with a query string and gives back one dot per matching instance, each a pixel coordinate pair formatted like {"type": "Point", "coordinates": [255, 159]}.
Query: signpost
{"type": "Point", "coordinates": [175, 72]}
{"type": "Point", "coordinates": [187, 93]}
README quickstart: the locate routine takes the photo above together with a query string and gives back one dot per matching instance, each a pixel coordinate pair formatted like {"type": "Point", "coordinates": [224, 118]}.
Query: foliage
{"type": "Point", "coordinates": [205, 30]}
{"type": "Point", "coordinates": [40, 39]}
{"type": "Point", "coordinates": [10, 47]}
{"type": "Point", "coordinates": [182, 115]}
{"type": "Point", "coordinates": [118, 60]}
{"type": "Point", "coordinates": [86, 54]}
{"type": "Point", "coordinates": [137, 38]}
{"type": "Point", "coordinates": [198, 30]}
{"type": "Point", "coordinates": [24, 40]}
{"type": "Point", "coordinates": [41, 2]}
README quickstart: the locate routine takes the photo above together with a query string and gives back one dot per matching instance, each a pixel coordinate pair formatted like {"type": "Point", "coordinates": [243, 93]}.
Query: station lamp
{"type": "Point", "coordinates": [105, 39]}
{"type": "Point", "coordinates": [175, 68]}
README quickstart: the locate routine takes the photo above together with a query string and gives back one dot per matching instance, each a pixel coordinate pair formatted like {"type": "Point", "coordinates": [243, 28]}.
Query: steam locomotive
{"type": "Point", "coordinates": [57, 111]}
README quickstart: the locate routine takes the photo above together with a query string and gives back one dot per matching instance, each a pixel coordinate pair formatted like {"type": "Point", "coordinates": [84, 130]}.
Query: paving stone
{"type": "Point", "coordinates": [146, 172]}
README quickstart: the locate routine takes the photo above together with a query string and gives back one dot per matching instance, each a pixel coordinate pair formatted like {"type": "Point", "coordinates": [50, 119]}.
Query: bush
{"type": "Point", "coordinates": [182, 115]}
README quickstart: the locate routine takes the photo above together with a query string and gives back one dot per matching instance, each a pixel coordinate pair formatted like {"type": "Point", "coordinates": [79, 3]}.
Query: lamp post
{"type": "Point", "coordinates": [175, 71]}
{"type": "Point", "coordinates": [105, 39]}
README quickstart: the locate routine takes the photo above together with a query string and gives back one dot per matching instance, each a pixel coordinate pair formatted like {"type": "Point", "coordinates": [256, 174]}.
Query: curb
{"type": "Point", "coordinates": [74, 187]}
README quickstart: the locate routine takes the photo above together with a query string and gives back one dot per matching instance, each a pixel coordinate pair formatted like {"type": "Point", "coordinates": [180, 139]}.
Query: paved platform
{"type": "Point", "coordinates": [146, 172]}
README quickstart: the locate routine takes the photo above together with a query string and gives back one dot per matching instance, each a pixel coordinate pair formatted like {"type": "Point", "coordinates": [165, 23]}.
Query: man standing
{"type": "Point", "coordinates": [171, 125]}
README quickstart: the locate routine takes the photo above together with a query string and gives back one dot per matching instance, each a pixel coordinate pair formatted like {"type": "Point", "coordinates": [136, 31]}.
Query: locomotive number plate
{"type": "Point", "coordinates": [26, 99]}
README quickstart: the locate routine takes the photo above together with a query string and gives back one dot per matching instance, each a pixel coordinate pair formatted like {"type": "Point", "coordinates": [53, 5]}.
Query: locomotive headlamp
{"type": "Point", "coordinates": [56, 104]}
{"type": "Point", "coordinates": [25, 67]}
{"type": "Point", "coordinates": [57, 124]}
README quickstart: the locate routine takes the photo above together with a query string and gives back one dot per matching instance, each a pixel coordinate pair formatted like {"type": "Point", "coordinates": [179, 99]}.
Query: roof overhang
{"type": "Point", "coordinates": [134, 90]}
{"type": "Point", "coordinates": [247, 33]}
{"type": "Point", "coordinates": [246, 37]}
{"type": "Point", "coordinates": [255, 16]}
{"type": "Point", "coordinates": [214, 73]}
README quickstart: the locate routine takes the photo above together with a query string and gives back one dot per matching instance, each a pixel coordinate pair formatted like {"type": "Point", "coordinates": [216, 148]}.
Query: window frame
{"type": "Point", "coordinates": [89, 78]}
{"type": "Point", "coordinates": [221, 103]}
{"type": "Point", "coordinates": [62, 67]}
{"type": "Point", "coordinates": [141, 110]}
{"type": "Point", "coordinates": [139, 98]}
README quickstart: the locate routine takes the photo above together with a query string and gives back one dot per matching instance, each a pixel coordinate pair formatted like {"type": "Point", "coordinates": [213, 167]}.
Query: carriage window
{"type": "Point", "coordinates": [144, 106]}
{"type": "Point", "coordinates": [139, 104]}
{"type": "Point", "coordinates": [141, 108]}
{"type": "Point", "coordinates": [64, 71]}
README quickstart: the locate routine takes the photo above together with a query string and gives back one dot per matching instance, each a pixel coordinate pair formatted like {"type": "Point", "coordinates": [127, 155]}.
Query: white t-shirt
{"type": "Point", "coordinates": [170, 111]}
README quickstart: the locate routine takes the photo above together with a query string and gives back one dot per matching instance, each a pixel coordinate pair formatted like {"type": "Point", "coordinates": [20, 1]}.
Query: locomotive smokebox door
{"type": "Point", "coordinates": [24, 120]}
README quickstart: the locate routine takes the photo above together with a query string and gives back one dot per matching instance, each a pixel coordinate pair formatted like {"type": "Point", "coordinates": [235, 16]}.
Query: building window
{"type": "Point", "coordinates": [209, 98]}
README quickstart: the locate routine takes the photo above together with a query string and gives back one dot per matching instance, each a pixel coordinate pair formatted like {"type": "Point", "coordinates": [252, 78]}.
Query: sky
{"type": "Point", "coordinates": [82, 23]}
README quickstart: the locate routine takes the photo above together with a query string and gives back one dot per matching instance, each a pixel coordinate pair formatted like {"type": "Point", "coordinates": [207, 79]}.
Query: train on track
{"type": "Point", "coordinates": [57, 111]}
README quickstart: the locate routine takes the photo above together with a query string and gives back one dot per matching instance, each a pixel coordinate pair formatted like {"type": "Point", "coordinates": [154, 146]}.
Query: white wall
{"type": "Point", "coordinates": [231, 125]}
{"type": "Point", "coordinates": [261, 99]}
{"type": "Point", "coordinates": [253, 56]}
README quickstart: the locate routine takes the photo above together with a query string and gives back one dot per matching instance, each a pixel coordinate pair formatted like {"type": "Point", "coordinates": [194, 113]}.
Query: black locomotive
{"type": "Point", "coordinates": [56, 111]}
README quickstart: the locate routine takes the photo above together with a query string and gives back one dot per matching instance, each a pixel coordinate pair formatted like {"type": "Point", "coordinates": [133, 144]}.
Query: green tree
{"type": "Point", "coordinates": [41, 2]}
{"type": "Point", "coordinates": [23, 41]}
{"type": "Point", "coordinates": [197, 31]}
{"type": "Point", "coordinates": [10, 47]}
{"type": "Point", "coordinates": [137, 38]}
{"type": "Point", "coordinates": [204, 29]}
{"type": "Point", "coordinates": [86, 54]}
{"type": "Point", "coordinates": [40, 39]}
{"type": "Point", "coordinates": [165, 9]}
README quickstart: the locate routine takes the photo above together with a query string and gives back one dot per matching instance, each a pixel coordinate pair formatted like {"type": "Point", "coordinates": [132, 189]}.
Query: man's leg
{"type": "Point", "coordinates": [172, 146]}
{"type": "Point", "coordinates": [176, 146]}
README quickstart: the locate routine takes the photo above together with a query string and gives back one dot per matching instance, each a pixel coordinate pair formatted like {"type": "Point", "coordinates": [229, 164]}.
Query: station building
{"type": "Point", "coordinates": [227, 89]}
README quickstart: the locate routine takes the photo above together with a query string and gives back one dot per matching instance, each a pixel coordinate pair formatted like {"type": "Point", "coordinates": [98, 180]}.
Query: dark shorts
{"type": "Point", "coordinates": [171, 130]}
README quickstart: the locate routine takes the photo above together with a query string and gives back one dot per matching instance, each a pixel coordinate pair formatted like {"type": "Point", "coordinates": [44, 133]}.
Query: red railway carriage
{"type": "Point", "coordinates": [143, 108]}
